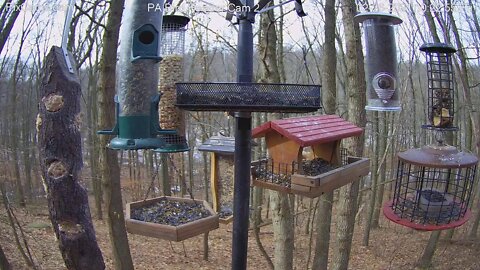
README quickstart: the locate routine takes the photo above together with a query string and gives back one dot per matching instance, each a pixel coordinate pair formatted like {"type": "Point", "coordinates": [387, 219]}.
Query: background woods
{"type": "Point", "coordinates": [344, 229]}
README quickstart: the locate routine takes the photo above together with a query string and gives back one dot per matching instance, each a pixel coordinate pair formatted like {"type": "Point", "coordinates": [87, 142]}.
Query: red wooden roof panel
{"type": "Point", "coordinates": [310, 130]}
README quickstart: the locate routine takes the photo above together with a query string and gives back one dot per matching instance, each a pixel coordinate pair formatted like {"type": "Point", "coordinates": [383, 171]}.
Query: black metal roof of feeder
{"type": "Point", "coordinates": [175, 22]}
{"type": "Point", "coordinates": [438, 47]}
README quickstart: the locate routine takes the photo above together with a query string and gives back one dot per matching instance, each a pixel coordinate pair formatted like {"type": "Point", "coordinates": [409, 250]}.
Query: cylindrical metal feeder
{"type": "Point", "coordinates": [137, 97]}
{"type": "Point", "coordinates": [381, 61]}
{"type": "Point", "coordinates": [171, 72]}
{"type": "Point", "coordinates": [441, 105]}
{"type": "Point", "coordinates": [173, 34]}
{"type": "Point", "coordinates": [433, 188]}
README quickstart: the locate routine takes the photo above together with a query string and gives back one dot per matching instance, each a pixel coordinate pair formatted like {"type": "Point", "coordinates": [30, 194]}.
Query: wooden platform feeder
{"type": "Point", "coordinates": [168, 232]}
{"type": "Point", "coordinates": [287, 138]}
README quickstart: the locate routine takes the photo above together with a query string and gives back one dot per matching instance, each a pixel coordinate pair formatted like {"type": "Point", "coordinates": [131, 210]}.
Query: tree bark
{"type": "Point", "coordinates": [356, 113]}
{"type": "Point", "coordinates": [4, 264]}
{"type": "Point", "coordinates": [283, 230]}
{"type": "Point", "coordinates": [109, 167]}
{"type": "Point", "coordinates": [426, 260]}
{"type": "Point", "coordinates": [329, 97]}
{"type": "Point", "coordinates": [60, 151]}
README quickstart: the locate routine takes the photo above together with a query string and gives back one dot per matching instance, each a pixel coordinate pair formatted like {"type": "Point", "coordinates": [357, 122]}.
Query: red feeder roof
{"type": "Point", "coordinates": [312, 130]}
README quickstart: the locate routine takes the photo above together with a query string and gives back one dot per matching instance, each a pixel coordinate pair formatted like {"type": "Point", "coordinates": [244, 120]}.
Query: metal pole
{"type": "Point", "coordinates": [243, 134]}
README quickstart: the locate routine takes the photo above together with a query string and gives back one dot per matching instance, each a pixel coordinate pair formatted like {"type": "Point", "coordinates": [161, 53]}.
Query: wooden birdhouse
{"type": "Point", "coordinates": [304, 155]}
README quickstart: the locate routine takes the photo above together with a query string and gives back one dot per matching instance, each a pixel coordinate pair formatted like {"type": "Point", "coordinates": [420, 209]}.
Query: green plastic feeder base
{"type": "Point", "coordinates": [135, 144]}
{"type": "Point", "coordinates": [169, 148]}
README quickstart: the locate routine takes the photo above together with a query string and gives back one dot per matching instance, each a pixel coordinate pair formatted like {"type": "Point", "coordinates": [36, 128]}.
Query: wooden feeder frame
{"type": "Point", "coordinates": [168, 232]}
{"type": "Point", "coordinates": [285, 141]}
{"type": "Point", "coordinates": [219, 147]}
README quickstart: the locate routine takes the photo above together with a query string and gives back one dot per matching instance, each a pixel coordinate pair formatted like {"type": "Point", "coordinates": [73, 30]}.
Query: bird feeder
{"type": "Point", "coordinates": [441, 101]}
{"type": "Point", "coordinates": [173, 35]}
{"type": "Point", "coordinates": [171, 71]}
{"type": "Point", "coordinates": [222, 151]}
{"type": "Point", "coordinates": [137, 98]}
{"type": "Point", "coordinates": [381, 61]}
{"type": "Point", "coordinates": [287, 171]}
{"type": "Point", "coordinates": [168, 218]}
{"type": "Point", "coordinates": [433, 189]}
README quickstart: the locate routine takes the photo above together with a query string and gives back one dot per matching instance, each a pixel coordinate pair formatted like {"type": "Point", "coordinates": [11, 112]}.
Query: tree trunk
{"type": "Point", "coordinates": [7, 25]}
{"type": "Point", "coordinates": [109, 167]}
{"type": "Point", "coordinates": [356, 113]}
{"type": "Point", "coordinates": [282, 204]}
{"type": "Point", "coordinates": [426, 260]}
{"type": "Point", "coordinates": [4, 264]}
{"type": "Point", "coordinates": [60, 151]}
{"type": "Point", "coordinates": [283, 231]}
{"type": "Point", "coordinates": [329, 74]}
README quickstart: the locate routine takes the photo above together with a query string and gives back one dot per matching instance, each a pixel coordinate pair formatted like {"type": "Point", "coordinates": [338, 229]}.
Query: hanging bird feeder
{"type": "Point", "coordinates": [287, 171]}
{"type": "Point", "coordinates": [433, 188]}
{"type": "Point", "coordinates": [381, 61]}
{"type": "Point", "coordinates": [171, 71]}
{"type": "Point", "coordinates": [137, 99]}
{"type": "Point", "coordinates": [441, 101]}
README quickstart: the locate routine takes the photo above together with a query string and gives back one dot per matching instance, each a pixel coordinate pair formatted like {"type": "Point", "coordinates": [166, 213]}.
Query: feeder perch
{"type": "Point", "coordinates": [137, 99]}
{"type": "Point", "coordinates": [441, 100]}
{"type": "Point", "coordinates": [286, 171]}
{"type": "Point", "coordinates": [170, 211]}
{"type": "Point", "coordinates": [222, 150]}
{"type": "Point", "coordinates": [433, 188]}
{"type": "Point", "coordinates": [381, 60]}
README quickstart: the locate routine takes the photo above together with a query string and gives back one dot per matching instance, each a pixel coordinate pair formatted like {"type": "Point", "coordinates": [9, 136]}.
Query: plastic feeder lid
{"type": "Point", "coordinates": [438, 157]}
{"type": "Point", "coordinates": [437, 48]}
{"type": "Point", "coordinates": [378, 16]}
{"type": "Point", "coordinates": [175, 22]}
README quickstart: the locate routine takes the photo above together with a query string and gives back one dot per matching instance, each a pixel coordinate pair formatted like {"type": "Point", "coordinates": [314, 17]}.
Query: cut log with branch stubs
{"type": "Point", "coordinates": [60, 149]}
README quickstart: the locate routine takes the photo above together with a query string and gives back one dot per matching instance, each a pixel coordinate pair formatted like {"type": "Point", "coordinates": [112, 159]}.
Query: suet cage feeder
{"type": "Point", "coordinates": [433, 188]}
{"type": "Point", "coordinates": [381, 60]}
{"type": "Point", "coordinates": [287, 171]}
{"type": "Point", "coordinates": [137, 97]}
{"type": "Point", "coordinates": [441, 99]}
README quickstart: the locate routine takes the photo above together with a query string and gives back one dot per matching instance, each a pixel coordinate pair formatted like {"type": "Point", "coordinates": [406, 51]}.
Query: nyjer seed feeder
{"type": "Point", "coordinates": [433, 188]}
{"type": "Point", "coordinates": [381, 60]}
{"type": "Point", "coordinates": [137, 125]}
{"type": "Point", "coordinates": [441, 101]}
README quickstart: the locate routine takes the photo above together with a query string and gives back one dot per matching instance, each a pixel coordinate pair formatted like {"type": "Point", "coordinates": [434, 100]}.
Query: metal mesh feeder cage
{"type": "Point", "coordinates": [433, 188]}
{"type": "Point", "coordinates": [252, 97]}
{"type": "Point", "coordinates": [441, 100]}
{"type": "Point", "coordinates": [173, 34]}
{"type": "Point", "coordinates": [137, 99]}
{"type": "Point", "coordinates": [381, 61]}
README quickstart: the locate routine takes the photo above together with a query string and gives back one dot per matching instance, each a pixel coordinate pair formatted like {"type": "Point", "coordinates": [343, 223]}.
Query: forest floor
{"type": "Point", "coordinates": [391, 247]}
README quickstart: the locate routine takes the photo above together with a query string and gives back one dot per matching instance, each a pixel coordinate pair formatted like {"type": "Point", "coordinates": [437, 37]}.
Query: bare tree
{"type": "Point", "coordinates": [109, 167]}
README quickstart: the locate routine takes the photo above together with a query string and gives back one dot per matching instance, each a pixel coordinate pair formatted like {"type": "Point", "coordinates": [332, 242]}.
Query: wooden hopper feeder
{"type": "Point", "coordinates": [222, 151]}
{"type": "Point", "coordinates": [286, 140]}
{"type": "Point", "coordinates": [170, 232]}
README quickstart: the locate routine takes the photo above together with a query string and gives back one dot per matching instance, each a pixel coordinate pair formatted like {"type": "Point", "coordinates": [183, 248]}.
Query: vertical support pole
{"type": "Point", "coordinates": [243, 134]}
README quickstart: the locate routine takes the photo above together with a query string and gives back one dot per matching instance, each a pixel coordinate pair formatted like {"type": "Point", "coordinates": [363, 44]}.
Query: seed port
{"type": "Point", "coordinates": [146, 37]}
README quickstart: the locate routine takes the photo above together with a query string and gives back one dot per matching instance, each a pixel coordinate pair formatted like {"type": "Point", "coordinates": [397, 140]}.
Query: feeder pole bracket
{"type": "Point", "coordinates": [66, 31]}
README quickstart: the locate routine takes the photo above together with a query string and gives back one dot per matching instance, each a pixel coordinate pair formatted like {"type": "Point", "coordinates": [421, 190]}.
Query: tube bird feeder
{"type": "Point", "coordinates": [441, 101]}
{"type": "Point", "coordinates": [381, 61]}
{"type": "Point", "coordinates": [137, 124]}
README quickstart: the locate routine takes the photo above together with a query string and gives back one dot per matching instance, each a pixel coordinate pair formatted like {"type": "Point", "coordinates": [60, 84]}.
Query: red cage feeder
{"type": "Point", "coordinates": [433, 189]}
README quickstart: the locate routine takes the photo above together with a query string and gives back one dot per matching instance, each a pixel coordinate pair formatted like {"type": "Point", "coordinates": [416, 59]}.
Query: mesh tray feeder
{"type": "Point", "coordinates": [252, 97]}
